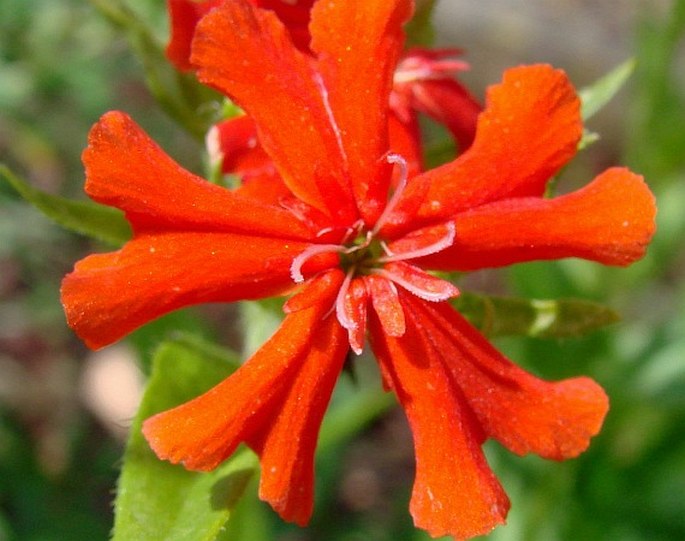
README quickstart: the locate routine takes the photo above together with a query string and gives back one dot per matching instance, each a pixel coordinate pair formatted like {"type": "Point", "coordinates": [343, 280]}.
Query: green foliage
{"type": "Point", "coordinates": [180, 95]}
{"type": "Point", "coordinates": [549, 318]}
{"type": "Point", "coordinates": [599, 93]}
{"type": "Point", "coordinates": [420, 31]}
{"type": "Point", "coordinates": [91, 219]}
{"type": "Point", "coordinates": [655, 138]}
{"type": "Point", "coordinates": [157, 500]}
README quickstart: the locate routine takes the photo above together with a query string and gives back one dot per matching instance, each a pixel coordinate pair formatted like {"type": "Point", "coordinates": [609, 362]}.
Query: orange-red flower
{"type": "Point", "coordinates": [346, 230]}
{"type": "Point", "coordinates": [185, 14]}
{"type": "Point", "coordinates": [423, 82]}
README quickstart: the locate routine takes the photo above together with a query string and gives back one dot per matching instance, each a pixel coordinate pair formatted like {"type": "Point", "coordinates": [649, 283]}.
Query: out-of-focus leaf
{"type": "Point", "coordinates": [351, 417]}
{"type": "Point", "coordinates": [260, 319]}
{"type": "Point", "coordinates": [91, 219]}
{"type": "Point", "coordinates": [179, 94]}
{"type": "Point", "coordinates": [504, 316]}
{"type": "Point", "coordinates": [420, 32]}
{"type": "Point", "coordinates": [157, 500]}
{"type": "Point", "coordinates": [599, 93]}
{"type": "Point", "coordinates": [657, 113]}
{"type": "Point", "coordinates": [587, 139]}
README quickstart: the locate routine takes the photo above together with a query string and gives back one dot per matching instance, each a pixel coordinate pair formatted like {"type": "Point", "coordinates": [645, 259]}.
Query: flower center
{"type": "Point", "coordinates": [373, 269]}
{"type": "Point", "coordinates": [366, 248]}
{"type": "Point", "coordinates": [362, 255]}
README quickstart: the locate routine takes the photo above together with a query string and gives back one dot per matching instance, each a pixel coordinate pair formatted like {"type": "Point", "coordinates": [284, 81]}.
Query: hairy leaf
{"type": "Point", "coordinates": [504, 316]}
{"type": "Point", "coordinates": [157, 500]}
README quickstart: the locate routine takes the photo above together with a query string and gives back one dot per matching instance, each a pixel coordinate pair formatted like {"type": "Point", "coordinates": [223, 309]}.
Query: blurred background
{"type": "Point", "coordinates": [64, 410]}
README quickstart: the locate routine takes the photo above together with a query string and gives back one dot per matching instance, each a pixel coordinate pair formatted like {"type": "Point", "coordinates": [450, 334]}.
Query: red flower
{"type": "Point", "coordinates": [185, 14]}
{"type": "Point", "coordinates": [360, 257]}
{"type": "Point", "coordinates": [423, 82]}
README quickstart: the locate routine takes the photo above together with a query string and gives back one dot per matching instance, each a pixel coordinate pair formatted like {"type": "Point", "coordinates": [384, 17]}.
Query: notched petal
{"type": "Point", "coordinates": [351, 311]}
{"type": "Point", "coordinates": [529, 129]}
{"type": "Point", "coordinates": [286, 445]}
{"type": "Point", "coordinates": [455, 492]}
{"type": "Point", "coordinates": [418, 282]}
{"type": "Point", "coordinates": [126, 169]}
{"type": "Point", "coordinates": [555, 420]}
{"type": "Point", "coordinates": [247, 53]}
{"type": "Point", "coordinates": [611, 221]}
{"type": "Point", "coordinates": [321, 286]}
{"type": "Point", "coordinates": [387, 304]}
{"type": "Point", "coordinates": [202, 433]}
{"type": "Point", "coordinates": [109, 295]}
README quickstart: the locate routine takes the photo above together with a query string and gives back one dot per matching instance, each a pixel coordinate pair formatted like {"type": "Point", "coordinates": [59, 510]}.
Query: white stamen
{"type": "Point", "coordinates": [401, 185]}
{"type": "Point", "coordinates": [386, 249]}
{"type": "Point", "coordinates": [353, 231]}
{"type": "Point", "coordinates": [300, 260]}
{"type": "Point", "coordinates": [323, 231]}
{"type": "Point", "coordinates": [340, 302]}
{"type": "Point", "coordinates": [434, 248]}
{"type": "Point", "coordinates": [213, 145]}
{"type": "Point", "coordinates": [425, 294]}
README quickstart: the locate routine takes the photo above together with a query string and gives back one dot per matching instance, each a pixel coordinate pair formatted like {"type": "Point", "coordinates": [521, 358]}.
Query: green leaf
{"type": "Point", "coordinates": [97, 221]}
{"type": "Point", "coordinates": [599, 93]}
{"type": "Point", "coordinates": [179, 94]}
{"type": "Point", "coordinates": [260, 319]}
{"type": "Point", "coordinates": [348, 419]}
{"type": "Point", "coordinates": [157, 500]}
{"type": "Point", "coordinates": [563, 318]}
{"type": "Point", "coordinates": [587, 139]}
{"type": "Point", "coordinates": [420, 30]}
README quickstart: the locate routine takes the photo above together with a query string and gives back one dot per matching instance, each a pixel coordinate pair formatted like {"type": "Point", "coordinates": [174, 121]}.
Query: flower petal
{"type": "Point", "coordinates": [351, 311]}
{"type": "Point", "coordinates": [127, 170]}
{"type": "Point", "coordinates": [109, 295]}
{"type": "Point", "coordinates": [358, 43]}
{"type": "Point", "coordinates": [529, 129]}
{"type": "Point", "coordinates": [424, 81]}
{"type": "Point", "coordinates": [417, 281]}
{"type": "Point", "coordinates": [202, 433]}
{"type": "Point", "coordinates": [324, 284]}
{"type": "Point", "coordinates": [449, 102]}
{"type": "Point", "coordinates": [405, 137]}
{"type": "Point", "coordinates": [183, 17]}
{"type": "Point", "coordinates": [422, 242]}
{"type": "Point", "coordinates": [611, 220]}
{"type": "Point", "coordinates": [286, 446]}
{"type": "Point", "coordinates": [455, 492]}
{"type": "Point", "coordinates": [233, 143]}
{"type": "Point", "coordinates": [527, 415]}
{"type": "Point", "coordinates": [387, 304]}
{"type": "Point", "coordinates": [295, 16]}
{"type": "Point", "coordinates": [246, 53]}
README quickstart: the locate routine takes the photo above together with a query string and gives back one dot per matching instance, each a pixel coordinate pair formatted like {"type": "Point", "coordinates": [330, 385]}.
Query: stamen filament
{"type": "Point", "coordinates": [401, 185]}
{"type": "Point", "coordinates": [340, 302]}
{"type": "Point", "coordinates": [308, 253]}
